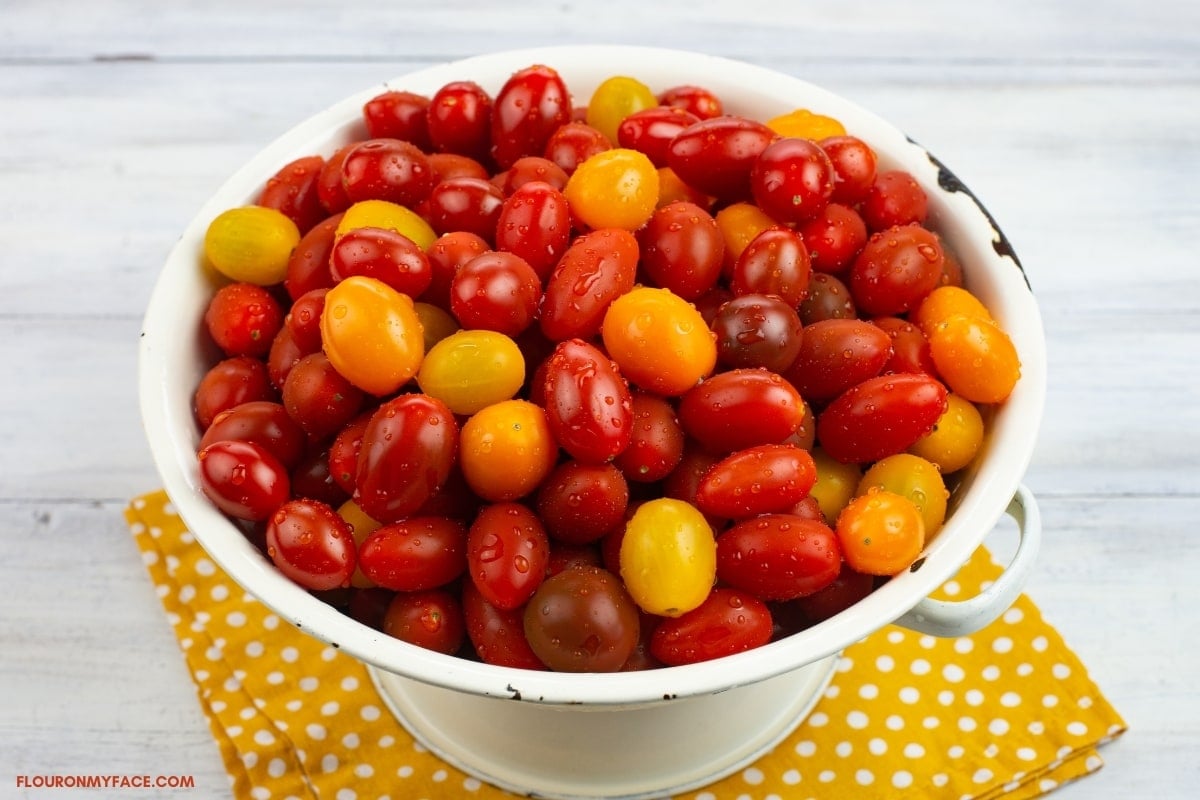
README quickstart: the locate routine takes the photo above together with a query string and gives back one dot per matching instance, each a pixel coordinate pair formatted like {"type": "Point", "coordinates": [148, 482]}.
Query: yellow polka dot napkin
{"type": "Point", "coordinates": [1009, 712]}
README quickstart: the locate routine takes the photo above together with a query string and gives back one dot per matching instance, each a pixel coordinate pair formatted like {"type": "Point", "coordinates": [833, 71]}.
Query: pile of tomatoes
{"type": "Point", "coordinates": [632, 384]}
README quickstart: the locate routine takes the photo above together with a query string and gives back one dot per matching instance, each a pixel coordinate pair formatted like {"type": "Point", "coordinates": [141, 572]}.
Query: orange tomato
{"type": "Point", "coordinates": [975, 358]}
{"type": "Point", "coordinates": [507, 450]}
{"type": "Point", "coordinates": [372, 334]}
{"type": "Point", "coordinates": [881, 533]}
{"type": "Point", "coordinates": [659, 340]}
{"type": "Point", "coordinates": [614, 189]}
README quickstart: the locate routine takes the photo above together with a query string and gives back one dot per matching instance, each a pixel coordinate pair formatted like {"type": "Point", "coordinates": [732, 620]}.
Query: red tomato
{"type": "Point", "coordinates": [716, 155]}
{"type": "Point", "coordinates": [655, 442]}
{"type": "Point", "coordinates": [651, 130]}
{"type": "Point", "coordinates": [896, 269]}
{"type": "Point", "coordinates": [531, 105]}
{"type": "Point", "coordinates": [284, 355]}
{"type": "Point", "coordinates": [343, 453]}
{"type": "Point", "coordinates": [460, 120]}
{"type": "Point", "coordinates": [497, 291]}
{"type": "Point", "coordinates": [415, 553]}
{"type": "Point", "coordinates": [588, 404]}
{"type": "Point", "coordinates": [243, 479]}
{"type": "Point", "coordinates": [778, 556]}
{"type": "Point", "coordinates": [229, 383]}
{"type": "Point", "coordinates": [833, 237]}
{"type": "Point", "coordinates": [694, 99]}
{"type": "Point", "coordinates": [465, 204]}
{"type": "Point", "coordinates": [318, 398]}
{"type": "Point", "coordinates": [535, 224]}
{"type": "Point", "coordinates": [758, 480]}
{"type": "Point", "coordinates": [596, 269]}
{"type": "Point", "coordinates": [682, 249]}
{"type": "Point", "coordinates": [311, 479]}
{"type": "Point", "coordinates": [792, 180]}
{"type": "Point", "coordinates": [259, 422]}
{"type": "Point", "coordinates": [507, 554]}
{"type": "Point", "coordinates": [308, 266]}
{"type": "Point", "coordinates": [853, 163]}
{"type": "Point", "coordinates": [580, 503]}
{"type": "Point", "coordinates": [775, 262]}
{"type": "Point", "coordinates": [293, 190]}
{"type": "Point", "coordinates": [895, 198]}
{"type": "Point", "coordinates": [727, 622]}
{"type": "Point", "coordinates": [880, 417]}
{"type": "Point", "coordinates": [741, 408]}
{"type": "Point", "coordinates": [757, 330]}
{"type": "Point", "coordinates": [383, 254]}
{"type": "Point", "coordinates": [407, 452]}
{"type": "Point", "coordinates": [837, 354]}
{"type": "Point", "coordinates": [329, 183]}
{"type": "Point", "coordinates": [446, 256]}
{"type": "Point", "coordinates": [387, 169]}
{"type": "Point", "coordinates": [498, 636]}
{"type": "Point", "coordinates": [910, 348]}
{"type": "Point", "coordinates": [398, 115]}
{"type": "Point", "coordinates": [304, 320]}
{"type": "Point", "coordinates": [451, 165]}
{"type": "Point", "coordinates": [311, 544]}
{"type": "Point", "coordinates": [243, 319]}
{"type": "Point", "coordinates": [529, 169]}
{"type": "Point", "coordinates": [574, 143]}
{"type": "Point", "coordinates": [429, 619]}
{"type": "Point", "coordinates": [847, 589]}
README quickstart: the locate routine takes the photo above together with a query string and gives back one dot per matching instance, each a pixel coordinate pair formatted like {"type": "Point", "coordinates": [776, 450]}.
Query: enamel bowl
{"type": "Point", "coordinates": [640, 734]}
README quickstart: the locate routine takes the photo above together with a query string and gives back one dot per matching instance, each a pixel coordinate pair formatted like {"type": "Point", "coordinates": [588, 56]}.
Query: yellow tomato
{"type": "Point", "coordinates": [672, 189]}
{"type": "Point", "coordinates": [436, 323]}
{"type": "Point", "coordinates": [251, 244]}
{"type": "Point", "coordinates": [956, 436]}
{"type": "Point", "coordinates": [805, 124]}
{"type": "Point", "coordinates": [361, 526]}
{"type": "Point", "coordinates": [915, 478]}
{"type": "Point", "coordinates": [836, 483]}
{"type": "Point", "coordinates": [507, 450]}
{"type": "Point", "coordinates": [371, 334]}
{"type": "Point", "coordinates": [614, 189]}
{"type": "Point", "coordinates": [739, 223]}
{"type": "Point", "coordinates": [391, 216]}
{"type": "Point", "coordinates": [616, 99]}
{"type": "Point", "coordinates": [470, 370]}
{"type": "Point", "coordinates": [668, 557]}
{"type": "Point", "coordinates": [659, 340]}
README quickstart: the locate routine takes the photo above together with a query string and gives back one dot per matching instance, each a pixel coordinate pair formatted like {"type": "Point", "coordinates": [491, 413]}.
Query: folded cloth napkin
{"type": "Point", "coordinates": [1009, 712]}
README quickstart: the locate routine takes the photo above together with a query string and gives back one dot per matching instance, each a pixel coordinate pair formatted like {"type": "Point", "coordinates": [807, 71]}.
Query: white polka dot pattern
{"type": "Point", "coordinates": [1008, 712]}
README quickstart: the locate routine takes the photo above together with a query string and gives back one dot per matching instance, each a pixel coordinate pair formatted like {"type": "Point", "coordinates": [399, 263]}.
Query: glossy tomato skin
{"type": "Point", "coordinates": [407, 453]}
{"type": "Point", "coordinates": [588, 404]}
{"type": "Point", "coordinates": [792, 180]}
{"type": "Point", "coordinates": [853, 163]}
{"type": "Point", "coordinates": [693, 99]}
{"type": "Point", "coordinates": [465, 204]}
{"type": "Point", "coordinates": [446, 256]}
{"type": "Point", "coordinates": [837, 354]}
{"type": "Point", "coordinates": [293, 190]}
{"type": "Point", "coordinates": [880, 417]}
{"type": "Point", "coordinates": [387, 169]}
{"type": "Point", "coordinates": [398, 115]}
{"type": "Point", "coordinates": [308, 265]}
{"type": "Point", "coordinates": [656, 440]}
{"type": "Point", "coordinates": [311, 544]}
{"type": "Point", "coordinates": [529, 169]}
{"type": "Point", "coordinates": [896, 269]}
{"type": "Point", "coordinates": [582, 620]}
{"type": "Point", "coordinates": [507, 554]}
{"type": "Point", "coordinates": [318, 398]}
{"type": "Point", "coordinates": [847, 589]}
{"type": "Point", "coordinates": [343, 452]}
{"type": "Point", "coordinates": [778, 556]}
{"type": "Point", "coordinates": [228, 383]}
{"type": "Point", "coordinates": [757, 330]}
{"type": "Point", "coordinates": [496, 291]}
{"type": "Point", "coordinates": [651, 130]}
{"type": "Point", "coordinates": [243, 319]}
{"type": "Point", "coordinates": [741, 408]}
{"type": "Point", "coordinates": [765, 479]}
{"type": "Point", "coordinates": [682, 249]}
{"type": "Point", "coordinates": [574, 143]}
{"type": "Point", "coordinates": [304, 320]}
{"type": "Point", "coordinates": [497, 635]}
{"type": "Point", "coordinates": [834, 238]}
{"type": "Point", "coordinates": [531, 105]}
{"type": "Point", "coordinates": [596, 269]}
{"type": "Point", "coordinates": [580, 502]}
{"type": "Point", "coordinates": [261, 422]}
{"type": "Point", "coordinates": [535, 224]}
{"type": "Point", "coordinates": [716, 155]}
{"type": "Point", "coordinates": [383, 254]}
{"type": "Point", "coordinates": [775, 262]}
{"type": "Point", "coordinates": [729, 621]}
{"type": "Point", "coordinates": [430, 619]}
{"type": "Point", "coordinates": [895, 198]}
{"type": "Point", "coordinates": [243, 479]}
{"type": "Point", "coordinates": [828, 298]}
{"type": "Point", "coordinates": [460, 120]}
{"type": "Point", "coordinates": [910, 348]}
{"type": "Point", "coordinates": [415, 554]}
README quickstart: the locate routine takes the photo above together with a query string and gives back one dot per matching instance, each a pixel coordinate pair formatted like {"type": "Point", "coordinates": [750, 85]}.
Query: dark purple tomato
{"type": "Point", "coordinates": [582, 620]}
{"type": "Point", "coordinates": [757, 330]}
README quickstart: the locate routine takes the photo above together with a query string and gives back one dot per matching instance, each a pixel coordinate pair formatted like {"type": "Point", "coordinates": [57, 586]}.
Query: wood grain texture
{"type": "Point", "coordinates": [1074, 122]}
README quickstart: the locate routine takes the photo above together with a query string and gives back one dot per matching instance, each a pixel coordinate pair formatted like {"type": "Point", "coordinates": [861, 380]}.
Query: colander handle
{"type": "Point", "coordinates": [960, 618]}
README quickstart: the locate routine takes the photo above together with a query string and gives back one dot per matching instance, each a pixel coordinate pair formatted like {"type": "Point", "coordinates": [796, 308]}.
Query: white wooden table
{"type": "Point", "coordinates": [1076, 122]}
